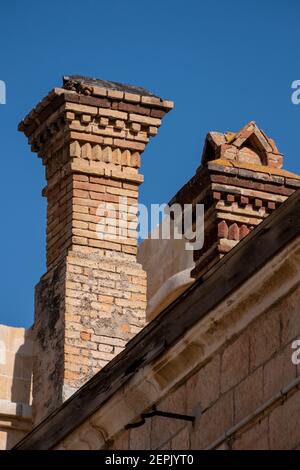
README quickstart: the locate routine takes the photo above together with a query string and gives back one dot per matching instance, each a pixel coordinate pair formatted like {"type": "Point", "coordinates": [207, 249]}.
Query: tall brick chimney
{"type": "Point", "coordinates": [92, 300]}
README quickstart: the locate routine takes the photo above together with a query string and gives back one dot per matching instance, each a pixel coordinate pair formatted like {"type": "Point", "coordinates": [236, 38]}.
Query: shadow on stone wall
{"type": "Point", "coordinates": [21, 389]}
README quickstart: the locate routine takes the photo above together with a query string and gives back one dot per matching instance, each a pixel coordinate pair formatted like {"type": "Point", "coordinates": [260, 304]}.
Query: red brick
{"type": "Point", "coordinates": [131, 108]}
{"type": "Point", "coordinates": [244, 200]}
{"type": "Point", "coordinates": [80, 178]}
{"type": "Point", "coordinates": [81, 193]}
{"type": "Point", "coordinates": [89, 186]}
{"type": "Point", "coordinates": [222, 229]}
{"type": "Point", "coordinates": [244, 231]}
{"type": "Point", "coordinates": [271, 205]}
{"type": "Point", "coordinates": [258, 203]}
{"type": "Point", "coordinates": [234, 232]}
{"type": "Point", "coordinates": [158, 113]}
{"type": "Point", "coordinates": [217, 196]}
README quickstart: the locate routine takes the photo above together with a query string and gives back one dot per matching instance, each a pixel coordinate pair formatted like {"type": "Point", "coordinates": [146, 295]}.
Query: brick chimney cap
{"type": "Point", "coordinates": [85, 90]}
{"type": "Point", "coordinates": [250, 145]}
{"type": "Point", "coordinates": [74, 82]}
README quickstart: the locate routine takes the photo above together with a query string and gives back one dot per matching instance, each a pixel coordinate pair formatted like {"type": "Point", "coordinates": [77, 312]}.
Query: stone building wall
{"type": "Point", "coordinates": [16, 358]}
{"type": "Point", "coordinates": [248, 373]}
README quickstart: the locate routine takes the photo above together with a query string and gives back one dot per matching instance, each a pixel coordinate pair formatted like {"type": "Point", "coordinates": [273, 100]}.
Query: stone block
{"type": "Point", "coordinates": [248, 395]}
{"type": "Point", "coordinates": [235, 363]}
{"type": "Point", "coordinates": [284, 424]}
{"type": "Point", "coordinates": [203, 388]}
{"type": "Point", "coordinates": [254, 438]}
{"type": "Point", "coordinates": [264, 337]}
{"type": "Point", "coordinates": [212, 424]}
{"type": "Point", "coordinates": [182, 440]}
{"type": "Point", "coordinates": [279, 372]}
{"type": "Point", "coordinates": [164, 429]}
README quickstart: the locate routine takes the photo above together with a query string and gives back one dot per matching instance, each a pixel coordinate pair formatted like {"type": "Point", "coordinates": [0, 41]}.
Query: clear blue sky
{"type": "Point", "coordinates": [222, 62]}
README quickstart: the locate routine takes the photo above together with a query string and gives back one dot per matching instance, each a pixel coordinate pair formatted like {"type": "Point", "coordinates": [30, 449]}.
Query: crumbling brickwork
{"type": "Point", "coordinates": [92, 300]}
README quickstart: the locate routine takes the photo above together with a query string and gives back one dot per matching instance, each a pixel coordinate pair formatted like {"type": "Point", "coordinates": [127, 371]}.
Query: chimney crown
{"type": "Point", "coordinates": [249, 145]}
{"type": "Point", "coordinates": [240, 182]}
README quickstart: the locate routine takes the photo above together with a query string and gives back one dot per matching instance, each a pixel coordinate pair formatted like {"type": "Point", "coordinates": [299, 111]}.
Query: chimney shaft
{"type": "Point", "coordinates": [92, 300]}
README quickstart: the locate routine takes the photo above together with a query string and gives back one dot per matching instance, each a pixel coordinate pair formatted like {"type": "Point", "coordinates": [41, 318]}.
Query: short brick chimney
{"type": "Point", "coordinates": [90, 135]}
{"type": "Point", "coordinates": [240, 182]}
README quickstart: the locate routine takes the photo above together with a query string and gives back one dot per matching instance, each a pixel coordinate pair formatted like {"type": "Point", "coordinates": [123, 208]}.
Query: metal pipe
{"type": "Point", "coordinates": [162, 414]}
{"type": "Point", "coordinates": [282, 395]}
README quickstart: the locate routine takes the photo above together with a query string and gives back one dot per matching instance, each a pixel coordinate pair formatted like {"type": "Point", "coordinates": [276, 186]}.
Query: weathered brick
{"type": "Point", "coordinates": [116, 94]}
{"type": "Point", "coordinates": [110, 113]}
{"type": "Point", "coordinates": [85, 336]}
{"type": "Point", "coordinates": [99, 91]}
{"type": "Point", "coordinates": [168, 104]}
{"type": "Point", "coordinates": [102, 355]}
{"type": "Point", "coordinates": [108, 340]}
{"type": "Point", "coordinates": [132, 97]}
{"type": "Point", "coordinates": [106, 348]}
{"type": "Point", "coordinates": [128, 144]}
{"type": "Point", "coordinates": [79, 108]}
{"type": "Point", "coordinates": [157, 113]}
{"type": "Point", "coordinates": [152, 100]}
{"type": "Point", "coordinates": [133, 108]}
